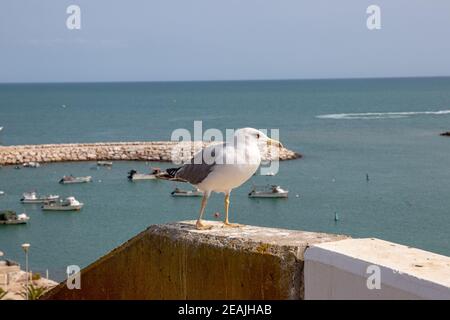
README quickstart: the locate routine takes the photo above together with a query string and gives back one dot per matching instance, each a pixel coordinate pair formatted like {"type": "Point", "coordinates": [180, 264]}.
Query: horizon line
{"type": "Point", "coordinates": [224, 80]}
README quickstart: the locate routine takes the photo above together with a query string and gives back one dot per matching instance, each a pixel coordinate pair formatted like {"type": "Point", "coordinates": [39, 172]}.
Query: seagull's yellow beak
{"type": "Point", "coordinates": [273, 142]}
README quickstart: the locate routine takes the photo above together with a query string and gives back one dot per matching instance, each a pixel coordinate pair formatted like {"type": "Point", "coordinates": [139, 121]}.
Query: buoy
{"type": "Point", "coordinates": [336, 217]}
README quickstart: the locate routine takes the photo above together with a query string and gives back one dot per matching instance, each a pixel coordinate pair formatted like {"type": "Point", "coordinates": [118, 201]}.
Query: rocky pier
{"type": "Point", "coordinates": [163, 151]}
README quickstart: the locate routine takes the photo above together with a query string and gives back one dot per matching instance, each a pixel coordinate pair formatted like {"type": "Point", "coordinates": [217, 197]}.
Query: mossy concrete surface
{"type": "Point", "coordinates": [176, 261]}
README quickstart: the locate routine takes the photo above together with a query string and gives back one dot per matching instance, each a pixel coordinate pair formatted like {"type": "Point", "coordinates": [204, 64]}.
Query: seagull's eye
{"type": "Point", "coordinates": [257, 136]}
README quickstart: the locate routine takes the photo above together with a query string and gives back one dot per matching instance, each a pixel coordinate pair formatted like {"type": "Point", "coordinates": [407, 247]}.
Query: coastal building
{"type": "Point", "coordinates": [13, 280]}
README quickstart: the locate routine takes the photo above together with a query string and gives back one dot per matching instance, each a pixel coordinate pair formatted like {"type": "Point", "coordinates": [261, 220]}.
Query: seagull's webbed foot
{"type": "Point", "coordinates": [231, 225]}
{"type": "Point", "coordinates": [201, 226]}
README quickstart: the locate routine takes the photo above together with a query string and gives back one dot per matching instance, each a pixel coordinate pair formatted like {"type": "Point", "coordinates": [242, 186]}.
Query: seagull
{"type": "Point", "coordinates": [222, 167]}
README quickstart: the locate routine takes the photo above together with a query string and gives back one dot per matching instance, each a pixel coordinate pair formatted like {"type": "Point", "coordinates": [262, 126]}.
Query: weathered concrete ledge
{"type": "Point", "coordinates": [176, 261]}
{"type": "Point", "coordinates": [141, 151]}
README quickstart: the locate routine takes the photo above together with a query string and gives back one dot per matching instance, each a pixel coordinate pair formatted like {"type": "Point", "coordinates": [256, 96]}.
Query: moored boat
{"type": "Point", "coordinates": [71, 179]}
{"type": "Point", "coordinates": [11, 217]}
{"type": "Point", "coordinates": [271, 191]}
{"type": "Point", "coordinates": [104, 163]}
{"type": "Point", "coordinates": [31, 164]}
{"type": "Point", "coordinates": [33, 197]}
{"type": "Point", "coordinates": [186, 193]}
{"type": "Point", "coordinates": [69, 204]}
{"type": "Point", "coordinates": [133, 175]}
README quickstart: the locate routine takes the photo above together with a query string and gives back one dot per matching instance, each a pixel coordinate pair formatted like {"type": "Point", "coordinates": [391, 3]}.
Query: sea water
{"type": "Point", "coordinates": [386, 129]}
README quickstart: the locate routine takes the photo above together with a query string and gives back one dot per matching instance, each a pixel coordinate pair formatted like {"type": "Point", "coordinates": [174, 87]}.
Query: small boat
{"type": "Point", "coordinates": [1, 128]}
{"type": "Point", "coordinates": [33, 197]}
{"type": "Point", "coordinates": [31, 164]}
{"type": "Point", "coordinates": [186, 193]}
{"type": "Point", "coordinates": [10, 217]}
{"type": "Point", "coordinates": [134, 175]}
{"type": "Point", "coordinates": [71, 179]}
{"type": "Point", "coordinates": [272, 191]}
{"type": "Point", "coordinates": [269, 174]}
{"type": "Point", "coordinates": [69, 204]}
{"type": "Point", "coordinates": [104, 163]}
{"type": "Point", "coordinates": [2, 192]}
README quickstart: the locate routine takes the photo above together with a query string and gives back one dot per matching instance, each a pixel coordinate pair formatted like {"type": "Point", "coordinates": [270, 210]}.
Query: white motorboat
{"type": "Point", "coordinates": [1, 128]}
{"type": "Point", "coordinates": [141, 176]}
{"type": "Point", "coordinates": [133, 175]}
{"type": "Point", "coordinates": [104, 163]}
{"type": "Point", "coordinates": [31, 164]}
{"type": "Point", "coordinates": [71, 179]}
{"type": "Point", "coordinates": [10, 217]}
{"type": "Point", "coordinates": [186, 193]}
{"type": "Point", "coordinates": [69, 204]}
{"type": "Point", "coordinates": [33, 197]}
{"type": "Point", "coordinates": [270, 191]}
{"type": "Point", "coordinates": [2, 192]}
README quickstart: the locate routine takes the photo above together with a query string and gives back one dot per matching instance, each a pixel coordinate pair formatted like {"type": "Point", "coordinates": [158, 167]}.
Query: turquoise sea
{"type": "Point", "coordinates": [386, 128]}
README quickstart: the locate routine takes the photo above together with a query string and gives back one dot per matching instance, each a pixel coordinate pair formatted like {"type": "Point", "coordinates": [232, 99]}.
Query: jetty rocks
{"type": "Point", "coordinates": [163, 151]}
{"type": "Point", "coordinates": [446, 134]}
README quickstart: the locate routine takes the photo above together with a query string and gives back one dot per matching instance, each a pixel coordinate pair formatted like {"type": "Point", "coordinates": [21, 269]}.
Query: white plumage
{"type": "Point", "coordinates": [224, 166]}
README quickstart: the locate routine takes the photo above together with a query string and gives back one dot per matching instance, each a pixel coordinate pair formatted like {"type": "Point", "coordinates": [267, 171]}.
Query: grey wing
{"type": "Point", "coordinates": [198, 169]}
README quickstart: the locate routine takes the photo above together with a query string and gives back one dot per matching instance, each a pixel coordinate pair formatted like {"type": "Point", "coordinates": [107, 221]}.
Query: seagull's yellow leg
{"type": "Point", "coordinates": [226, 223]}
{"type": "Point", "coordinates": [200, 225]}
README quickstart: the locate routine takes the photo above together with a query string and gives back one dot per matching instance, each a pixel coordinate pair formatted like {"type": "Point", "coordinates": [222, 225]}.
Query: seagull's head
{"type": "Point", "coordinates": [251, 134]}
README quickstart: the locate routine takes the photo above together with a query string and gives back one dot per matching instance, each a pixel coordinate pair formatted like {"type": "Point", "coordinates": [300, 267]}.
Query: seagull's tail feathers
{"type": "Point", "coordinates": [170, 174]}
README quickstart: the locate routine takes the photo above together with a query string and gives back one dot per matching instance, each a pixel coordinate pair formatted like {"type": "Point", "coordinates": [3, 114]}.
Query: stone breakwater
{"type": "Point", "coordinates": [163, 151]}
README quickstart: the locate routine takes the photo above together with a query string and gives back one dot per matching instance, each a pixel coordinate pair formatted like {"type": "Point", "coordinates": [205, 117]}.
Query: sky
{"type": "Point", "coordinates": [189, 40]}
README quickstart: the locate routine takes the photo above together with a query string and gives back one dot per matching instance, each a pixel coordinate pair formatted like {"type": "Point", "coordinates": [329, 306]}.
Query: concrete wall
{"type": "Point", "coordinates": [343, 269]}
{"type": "Point", "coordinates": [148, 151]}
{"type": "Point", "coordinates": [176, 261]}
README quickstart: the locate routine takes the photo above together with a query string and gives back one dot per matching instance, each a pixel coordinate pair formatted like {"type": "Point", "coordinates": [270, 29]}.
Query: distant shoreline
{"type": "Point", "coordinates": [158, 151]}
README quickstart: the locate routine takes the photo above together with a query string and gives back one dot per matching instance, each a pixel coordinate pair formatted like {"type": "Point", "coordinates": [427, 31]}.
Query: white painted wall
{"type": "Point", "coordinates": [353, 268]}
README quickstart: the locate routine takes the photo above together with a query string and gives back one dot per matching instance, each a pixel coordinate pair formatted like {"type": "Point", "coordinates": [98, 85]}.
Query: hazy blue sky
{"type": "Point", "coordinates": [221, 39]}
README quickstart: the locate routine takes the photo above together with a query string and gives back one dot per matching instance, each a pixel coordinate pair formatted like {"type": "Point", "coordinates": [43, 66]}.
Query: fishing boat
{"type": "Point", "coordinates": [186, 193]}
{"type": "Point", "coordinates": [11, 217]}
{"type": "Point", "coordinates": [31, 164]}
{"type": "Point", "coordinates": [270, 191]}
{"type": "Point", "coordinates": [133, 175]}
{"type": "Point", "coordinates": [71, 179]}
{"type": "Point", "coordinates": [69, 204]}
{"type": "Point", "coordinates": [33, 197]}
{"type": "Point", "coordinates": [104, 163]}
